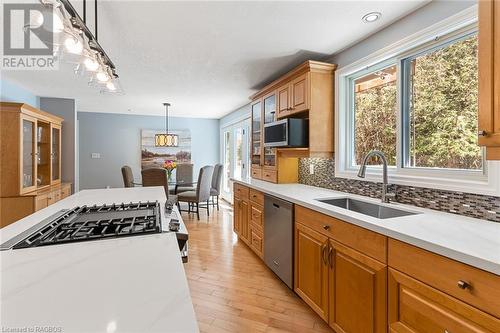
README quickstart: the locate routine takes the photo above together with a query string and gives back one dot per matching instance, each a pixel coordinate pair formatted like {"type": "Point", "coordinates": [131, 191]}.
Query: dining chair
{"type": "Point", "coordinates": [216, 184]}
{"type": "Point", "coordinates": [202, 193]}
{"type": "Point", "coordinates": [157, 177]}
{"type": "Point", "coordinates": [128, 177]}
{"type": "Point", "coordinates": [184, 174]}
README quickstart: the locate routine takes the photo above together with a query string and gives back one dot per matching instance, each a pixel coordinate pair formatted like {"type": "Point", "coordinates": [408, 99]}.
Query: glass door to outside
{"type": "Point", "coordinates": [236, 140]}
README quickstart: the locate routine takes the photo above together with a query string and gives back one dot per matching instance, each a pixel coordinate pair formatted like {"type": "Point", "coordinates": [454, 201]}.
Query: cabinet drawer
{"type": "Point", "coordinates": [256, 215]}
{"type": "Point", "coordinates": [256, 173]}
{"type": "Point", "coordinates": [241, 191]}
{"type": "Point", "coordinates": [360, 239]}
{"type": "Point", "coordinates": [257, 197]}
{"type": "Point", "coordinates": [471, 285]}
{"type": "Point", "coordinates": [41, 202]}
{"type": "Point", "coordinates": [65, 191]}
{"type": "Point", "coordinates": [256, 241]}
{"type": "Point", "coordinates": [418, 308]}
{"type": "Point", "coordinates": [270, 176]}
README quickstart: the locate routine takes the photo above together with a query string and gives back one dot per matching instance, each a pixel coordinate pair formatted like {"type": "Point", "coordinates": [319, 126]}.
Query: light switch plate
{"type": "Point", "coordinates": [95, 155]}
{"type": "Point", "coordinates": [311, 169]}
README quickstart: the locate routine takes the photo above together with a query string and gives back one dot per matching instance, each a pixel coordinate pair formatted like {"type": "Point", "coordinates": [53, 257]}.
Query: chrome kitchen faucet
{"type": "Point", "coordinates": [362, 172]}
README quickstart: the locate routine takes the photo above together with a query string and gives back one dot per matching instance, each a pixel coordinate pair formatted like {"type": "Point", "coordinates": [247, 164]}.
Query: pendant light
{"type": "Point", "coordinates": [166, 139]}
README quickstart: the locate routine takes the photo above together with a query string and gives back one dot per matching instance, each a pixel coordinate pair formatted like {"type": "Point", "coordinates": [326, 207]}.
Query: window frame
{"type": "Point", "coordinates": [486, 181]}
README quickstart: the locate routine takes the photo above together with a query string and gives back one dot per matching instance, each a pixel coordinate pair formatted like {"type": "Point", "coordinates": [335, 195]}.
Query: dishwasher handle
{"type": "Point", "coordinates": [276, 205]}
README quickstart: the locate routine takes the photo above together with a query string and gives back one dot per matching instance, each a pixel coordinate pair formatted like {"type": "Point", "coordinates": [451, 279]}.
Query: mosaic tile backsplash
{"type": "Point", "coordinates": [468, 204]}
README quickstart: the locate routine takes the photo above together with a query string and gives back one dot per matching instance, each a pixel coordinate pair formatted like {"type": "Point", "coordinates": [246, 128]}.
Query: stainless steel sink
{"type": "Point", "coordinates": [367, 208]}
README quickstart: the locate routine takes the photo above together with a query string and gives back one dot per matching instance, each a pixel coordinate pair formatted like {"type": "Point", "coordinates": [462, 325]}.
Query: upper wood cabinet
{"type": "Point", "coordinates": [306, 92]}
{"type": "Point", "coordinates": [489, 77]}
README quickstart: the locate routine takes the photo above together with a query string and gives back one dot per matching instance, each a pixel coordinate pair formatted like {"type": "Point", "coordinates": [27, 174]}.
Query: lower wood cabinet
{"type": "Point", "coordinates": [343, 286]}
{"type": "Point", "coordinates": [418, 308]}
{"type": "Point", "coordinates": [248, 219]}
{"type": "Point", "coordinates": [15, 208]}
{"type": "Point", "coordinates": [357, 291]}
{"type": "Point", "coordinates": [311, 273]}
{"type": "Point", "coordinates": [241, 220]}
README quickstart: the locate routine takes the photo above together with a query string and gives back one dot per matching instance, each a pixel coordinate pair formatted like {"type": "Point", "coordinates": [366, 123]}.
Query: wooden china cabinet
{"type": "Point", "coordinates": [30, 177]}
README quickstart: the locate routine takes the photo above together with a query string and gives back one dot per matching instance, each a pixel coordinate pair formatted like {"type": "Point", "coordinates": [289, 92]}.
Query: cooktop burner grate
{"type": "Point", "coordinates": [97, 222]}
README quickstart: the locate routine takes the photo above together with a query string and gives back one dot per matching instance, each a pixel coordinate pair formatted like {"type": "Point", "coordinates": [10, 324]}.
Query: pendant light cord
{"type": "Point", "coordinates": [166, 120]}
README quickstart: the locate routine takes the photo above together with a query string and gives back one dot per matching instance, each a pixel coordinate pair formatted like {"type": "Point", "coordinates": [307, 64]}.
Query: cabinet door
{"type": "Point", "coordinates": [257, 133]}
{"type": "Point", "coordinates": [283, 100]}
{"type": "Point", "coordinates": [43, 153]}
{"type": "Point", "coordinates": [236, 215]}
{"type": "Point", "coordinates": [311, 268]}
{"type": "Point", "coordinates": [489, 78]}
{"type": "Point", "coordinates": [55, 154]}
{"type": "Point", "coordinates": [269, 103]}
{"type": "Point", "coordinates": [28, 171]}
{"type": "Point", "coordinates": [245, 221]}
{"type": "Point", "coordinates": [418, 308]}
{"type": "Point", "coordinates": [358, 291]}
{"type": "Point", "coordinates": [300, 93]}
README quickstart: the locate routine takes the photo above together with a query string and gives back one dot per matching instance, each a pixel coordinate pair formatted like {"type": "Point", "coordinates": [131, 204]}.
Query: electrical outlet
{"type": "Point", "coordinates": [95, 155]}
{"type": "Point", "coordinates": [311, 169]}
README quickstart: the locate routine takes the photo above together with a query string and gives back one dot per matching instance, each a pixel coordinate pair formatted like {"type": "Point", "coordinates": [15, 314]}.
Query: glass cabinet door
{"type": "Point", "coordinates": [269, 102]}
{"type": "Point", "coordinates": [43, 153]}
{"type": "Point", "coordinates": [28, 153]}
{"type": "Point", "coordinates": [256, 133]}
{"type": "Point", "coordinates": [55, 154]}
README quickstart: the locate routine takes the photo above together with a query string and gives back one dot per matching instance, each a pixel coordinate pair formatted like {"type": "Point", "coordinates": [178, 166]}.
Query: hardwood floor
{"type": "Point", "coordinates": [232, 289]}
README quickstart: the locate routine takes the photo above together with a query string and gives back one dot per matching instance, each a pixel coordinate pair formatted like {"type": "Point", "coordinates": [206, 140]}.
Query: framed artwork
{"type": "Point", "coordinates": [152, 156]}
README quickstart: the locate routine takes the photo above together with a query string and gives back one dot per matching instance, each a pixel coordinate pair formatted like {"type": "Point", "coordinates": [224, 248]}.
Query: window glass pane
{"type": "Point", "coordinates": [442, 100]}
{"type": "Point", "coordinates": [375, 115]}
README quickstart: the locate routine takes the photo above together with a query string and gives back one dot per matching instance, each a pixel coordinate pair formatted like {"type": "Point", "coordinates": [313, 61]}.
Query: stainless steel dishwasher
{"type": "Point", "coordinates": [278, 238]}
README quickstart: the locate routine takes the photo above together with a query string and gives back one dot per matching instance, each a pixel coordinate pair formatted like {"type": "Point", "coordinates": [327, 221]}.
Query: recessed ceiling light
{"type": "Point", "coordinates": [371, 17]}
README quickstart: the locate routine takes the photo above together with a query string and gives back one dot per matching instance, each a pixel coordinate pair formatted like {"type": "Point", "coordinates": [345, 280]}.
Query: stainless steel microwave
{"type": "Point", "coordinates": [288, 132]}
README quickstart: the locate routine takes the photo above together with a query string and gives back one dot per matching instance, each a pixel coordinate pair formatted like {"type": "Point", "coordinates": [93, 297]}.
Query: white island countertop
{"type": "Point", "coordinates": [130, 284]}
{"type": "Point", "coordinates": [471, 241]}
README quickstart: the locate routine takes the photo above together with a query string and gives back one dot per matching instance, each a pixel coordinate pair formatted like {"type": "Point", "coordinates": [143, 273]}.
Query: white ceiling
{"type": "Point", "coordinates": [207, 58]}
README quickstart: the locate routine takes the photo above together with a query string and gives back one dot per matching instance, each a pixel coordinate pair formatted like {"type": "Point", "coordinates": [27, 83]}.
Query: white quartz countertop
{"type": "Point", "coordinates": [131, 284]}
{"type": "Point", "coordinates": [472, 241]}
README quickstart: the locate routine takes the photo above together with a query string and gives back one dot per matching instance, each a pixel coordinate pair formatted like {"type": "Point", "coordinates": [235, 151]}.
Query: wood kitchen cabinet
{"type": "Point", "coordinates": [357, 291]}
{"type": "Point", "coordinates": [304, 92]}
{"type": "Point", "coordinates": [418, 308]}
{"type": "Point", "coordinates": [241, 209]}
{"type": "Point", "coordinates": [30, 143]}
{"type": "Point", "coordinates": [489, 77]}
{"type": "Point", "coordinates": [344, 286]}
{"type": "Point", "coordinates": [248, 217]}
{"type": "Point", "coordinates": [311, 272]}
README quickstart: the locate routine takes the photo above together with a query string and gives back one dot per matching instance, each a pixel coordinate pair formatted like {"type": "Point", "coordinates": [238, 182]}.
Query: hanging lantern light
{"type": "Point", "coordinates": [166, 139]}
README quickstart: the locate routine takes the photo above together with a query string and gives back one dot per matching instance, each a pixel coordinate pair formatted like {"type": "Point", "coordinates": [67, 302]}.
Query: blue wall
{"type": "Point", "coordinates": [117, 138]}
{"type": "Point", "coordinates": [10, 92]}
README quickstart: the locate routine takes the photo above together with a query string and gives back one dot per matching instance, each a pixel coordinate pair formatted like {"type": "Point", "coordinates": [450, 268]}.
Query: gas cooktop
{"type": "Point", "coordinates": [92, 223]}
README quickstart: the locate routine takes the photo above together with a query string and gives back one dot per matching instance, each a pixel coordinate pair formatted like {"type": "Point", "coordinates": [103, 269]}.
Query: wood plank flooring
{"type": "Point", "coordinates": [232, 289]}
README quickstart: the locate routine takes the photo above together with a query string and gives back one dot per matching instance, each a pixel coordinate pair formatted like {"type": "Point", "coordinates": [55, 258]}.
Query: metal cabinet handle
{"type": "Point", "coordinates": [330, 257]}
{"type": "Point", "coordinates": [463, 284]}
{"type": "Point", "coordinates": [326, 227]}
{"type": "Point", "coordinates": [323, 255]}
{"type": "Point", "coordinates": [482, 133]}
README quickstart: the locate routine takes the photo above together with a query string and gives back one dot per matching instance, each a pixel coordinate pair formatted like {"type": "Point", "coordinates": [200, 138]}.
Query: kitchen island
{"type": "Point", "coordinates": [130, 284]}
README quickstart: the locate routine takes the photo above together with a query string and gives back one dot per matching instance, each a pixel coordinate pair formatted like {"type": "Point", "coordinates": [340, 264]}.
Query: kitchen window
{"type": "Point", "coordinates": [416, 101]}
